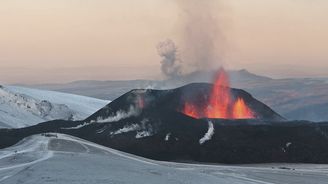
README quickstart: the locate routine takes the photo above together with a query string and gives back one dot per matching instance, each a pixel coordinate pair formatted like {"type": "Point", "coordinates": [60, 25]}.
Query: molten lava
{"type": "Point", "coordinates": [220, 104]}
{"type": "Point", "coordinates": [220, 98]}
{"type": "Point", "coordinates": [191, 110]}
{"type": "Point", "coordinates": [241, 111]}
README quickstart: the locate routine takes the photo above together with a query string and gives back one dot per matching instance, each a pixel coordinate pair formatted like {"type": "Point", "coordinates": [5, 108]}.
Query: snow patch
{"type": "Point", "coordinates": [21, 107]}
{"type": "Point", "coordinates": [41, 108]}
{"type": "Point", "coordinates": [209, 133]}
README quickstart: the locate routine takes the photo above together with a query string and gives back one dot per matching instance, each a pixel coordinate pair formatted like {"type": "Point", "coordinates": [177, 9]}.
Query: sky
{"type": "Point", "coordinates": [53, 41]}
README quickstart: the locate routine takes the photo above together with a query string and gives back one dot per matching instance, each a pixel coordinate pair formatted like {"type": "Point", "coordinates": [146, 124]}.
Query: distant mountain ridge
{"type": "Point", "coordinates": [112, 89]}
{"type": "Point", "coordinates": [285, 96]}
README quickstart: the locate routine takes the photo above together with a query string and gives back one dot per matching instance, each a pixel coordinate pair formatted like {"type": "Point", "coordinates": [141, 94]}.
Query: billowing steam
{"type": "Point", "coordinates": [200, 41]}
{"type": "Point", "coordinates": [209, 133]}
{"type": "Point", "coordinates": [170, 64]}
{"type": "Point", "coordinates": [119, 115]}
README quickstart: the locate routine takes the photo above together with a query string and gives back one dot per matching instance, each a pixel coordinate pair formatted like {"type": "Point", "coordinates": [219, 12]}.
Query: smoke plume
{"type": "Point", "coordinates": [170, 64]}
{"type": "Point", "coordinates": [119, 115]}
{"type": "Point", "coordinates": [200, 33]}
{"type": "Point", "coordinates": [209, 133]}
{"type": "Point", "coordinates": [200, 40]}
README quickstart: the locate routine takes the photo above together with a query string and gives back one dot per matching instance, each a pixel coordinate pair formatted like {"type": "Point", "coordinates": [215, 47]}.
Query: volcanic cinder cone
{"type": "Point", "coordinates": [197, 100]}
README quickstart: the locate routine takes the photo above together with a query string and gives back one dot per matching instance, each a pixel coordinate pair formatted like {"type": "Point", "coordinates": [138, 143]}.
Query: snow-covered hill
{"type": "Point", "coordinates": [59, 158]}
{"type": "Point", "coordinates": [20, 106]}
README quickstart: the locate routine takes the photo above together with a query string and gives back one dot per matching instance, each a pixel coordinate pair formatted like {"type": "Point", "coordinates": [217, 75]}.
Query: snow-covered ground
{"type": "Point", "coordinates": [66, 159]}
{"type": "Point", "coordinates": [20, 106]}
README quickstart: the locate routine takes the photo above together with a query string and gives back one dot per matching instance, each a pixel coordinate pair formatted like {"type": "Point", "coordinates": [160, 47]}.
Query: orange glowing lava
{"type": "Point", "coordinates": [241, 111]}
{"type": "Point", "coordinates": [191, 110]}
{"type": "Point", "coordinates": [220, 99]}
{"type": "Point", "coordinates": [220, 104]}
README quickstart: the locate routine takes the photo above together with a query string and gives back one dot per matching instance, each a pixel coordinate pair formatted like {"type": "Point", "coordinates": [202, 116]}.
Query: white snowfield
{"type": "Point", "coordinates": [20, 106]}
{"type": "Point", "coordinates": [63, 159]}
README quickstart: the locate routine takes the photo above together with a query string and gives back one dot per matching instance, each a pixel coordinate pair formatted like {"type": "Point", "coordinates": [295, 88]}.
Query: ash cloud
{"type": "Point", "coordinates": [170, 64]}
{"type": "Point", "coordinates": [201, 40]}
{"type": "Point", "coordinates": [200, 32]}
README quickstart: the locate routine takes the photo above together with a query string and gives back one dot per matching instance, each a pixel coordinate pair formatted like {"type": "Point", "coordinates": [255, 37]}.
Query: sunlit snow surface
{"type": "Point", "coordinates": [65, 159]}
{"type": "Point", "coordinates": [20, 107]}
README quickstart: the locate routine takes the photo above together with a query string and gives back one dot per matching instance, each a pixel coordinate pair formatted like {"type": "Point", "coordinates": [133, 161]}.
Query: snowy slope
{"type": "Point", "coordinates": [60, 158]}
{"type": "Point", "coordinates": [20, 107]}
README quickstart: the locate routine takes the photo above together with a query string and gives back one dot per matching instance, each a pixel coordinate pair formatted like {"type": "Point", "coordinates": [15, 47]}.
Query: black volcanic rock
{"type": "Point", "coordinates": [172, 136]}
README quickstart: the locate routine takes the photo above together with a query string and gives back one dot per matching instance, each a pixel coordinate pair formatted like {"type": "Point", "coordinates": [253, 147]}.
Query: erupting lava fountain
{"type": "Point", "coordinates": [221, 104]}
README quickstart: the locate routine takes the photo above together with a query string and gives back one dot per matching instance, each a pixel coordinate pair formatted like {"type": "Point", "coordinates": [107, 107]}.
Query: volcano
{"type": "Point", "coordinates": [197, 100]}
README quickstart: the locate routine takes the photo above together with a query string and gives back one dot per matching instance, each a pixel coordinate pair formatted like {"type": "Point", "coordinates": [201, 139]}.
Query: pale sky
{"type": "Point", "coordinates": [45, 41]}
